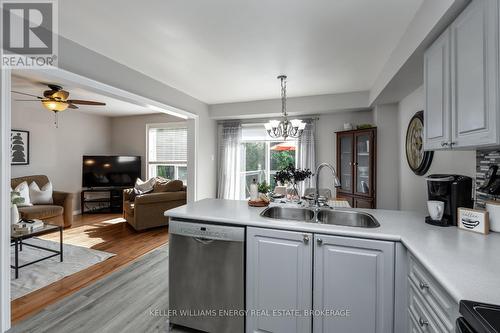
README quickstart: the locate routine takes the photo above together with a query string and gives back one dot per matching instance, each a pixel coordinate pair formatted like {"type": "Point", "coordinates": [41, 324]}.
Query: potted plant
{"type": "Point", "coordinates": [292, 176]}
{"type": "Point", "coordinates": [264, 189]}
{"type": "Point", "coordinates": [15, 199]}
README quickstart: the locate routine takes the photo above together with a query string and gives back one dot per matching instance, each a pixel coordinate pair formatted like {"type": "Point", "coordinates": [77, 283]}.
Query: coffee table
{"type": "Point", "coordinates": [17, 240]}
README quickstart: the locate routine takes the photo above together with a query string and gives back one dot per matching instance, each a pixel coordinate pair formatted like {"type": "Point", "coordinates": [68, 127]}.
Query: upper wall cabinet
{"type": "Point", "coordinates": [437, 119]}
{"type": "Point", "coordinates": [461, 88]}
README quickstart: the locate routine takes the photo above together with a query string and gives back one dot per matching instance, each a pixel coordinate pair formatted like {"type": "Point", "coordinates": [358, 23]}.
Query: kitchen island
{"type": "Point", "coordinates": [457, 264]}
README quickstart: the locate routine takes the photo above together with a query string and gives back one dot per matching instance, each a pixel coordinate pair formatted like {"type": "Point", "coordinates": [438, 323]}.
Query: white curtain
{"type": "Point", "coordinates": [306, 155]}
{"type": "Point", "coordinates": [230, 152]}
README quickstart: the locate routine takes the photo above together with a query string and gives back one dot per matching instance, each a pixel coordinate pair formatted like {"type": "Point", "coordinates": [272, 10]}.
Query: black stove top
{"type": "Point", "coordinates": [483, 318]}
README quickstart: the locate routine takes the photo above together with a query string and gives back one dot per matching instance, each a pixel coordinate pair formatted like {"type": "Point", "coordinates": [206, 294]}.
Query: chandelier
{"type": "Point", "coordinates": [284, 128]}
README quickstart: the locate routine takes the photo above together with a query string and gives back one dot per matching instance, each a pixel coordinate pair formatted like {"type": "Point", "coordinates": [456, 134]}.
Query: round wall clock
{"type": "Point", "coordinates": [418, 159]}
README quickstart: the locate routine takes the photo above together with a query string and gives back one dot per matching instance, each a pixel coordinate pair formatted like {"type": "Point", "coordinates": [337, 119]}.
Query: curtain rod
{"type": "Point", "coordinates": [264, 120]}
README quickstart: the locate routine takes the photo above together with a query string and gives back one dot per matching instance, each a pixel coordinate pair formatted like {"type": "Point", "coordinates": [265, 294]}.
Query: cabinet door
{"type": "Point", "coordinates": [279, 277]}
{"type": "Point", "coordinates": [474, 75]}
{"type": "Point", "coordinates": [437, 115]}
{"type": "Point", "coordinates": [345, 160]}
{"type": "Point", "coordinates": [354, 275]}
{"type": "Point", "coordinates": [363, 203]}
{"type": "Point", "coordinates": [364, 166]}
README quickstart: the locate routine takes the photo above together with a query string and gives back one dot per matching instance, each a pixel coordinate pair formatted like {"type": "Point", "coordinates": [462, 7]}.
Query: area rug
{"type": "Point", "coordinates": [43, 273]}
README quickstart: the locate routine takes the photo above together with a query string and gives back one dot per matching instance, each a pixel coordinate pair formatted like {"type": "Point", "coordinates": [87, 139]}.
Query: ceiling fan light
{"type": "Point", "coordinates": [55, 106]}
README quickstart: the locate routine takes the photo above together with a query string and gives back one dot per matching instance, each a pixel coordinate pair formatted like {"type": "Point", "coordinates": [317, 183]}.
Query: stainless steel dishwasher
{"type": "Point", "coordinates": [206, 276]}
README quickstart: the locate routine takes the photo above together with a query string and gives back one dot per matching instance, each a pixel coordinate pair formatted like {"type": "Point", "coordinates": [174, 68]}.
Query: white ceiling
{"type": "Point", "coordinates": [35, 84]}
{"type": "Point", "coordinates": [231, 50]}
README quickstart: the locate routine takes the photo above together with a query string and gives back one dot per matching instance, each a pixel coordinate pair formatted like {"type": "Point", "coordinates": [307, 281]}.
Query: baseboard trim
{"type": "Point", "coordinates": [77, 212]}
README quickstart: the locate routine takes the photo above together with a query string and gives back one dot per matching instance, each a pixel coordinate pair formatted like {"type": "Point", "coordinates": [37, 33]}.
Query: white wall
{"type": "Point", "coordinates": [57, 152]}
{"type": "Point", "coordinates": [326, 140]}
{"type": "Point", "coordinates": [128, 134]}
{"type": "Point", "coordinates": [83, 61]}
{"type": "Point", "coordinates": [303, 106]}
{"type": "Point", "coordinates": [412, 188]}
{"type": "Point", "coordinates": [386, 118]}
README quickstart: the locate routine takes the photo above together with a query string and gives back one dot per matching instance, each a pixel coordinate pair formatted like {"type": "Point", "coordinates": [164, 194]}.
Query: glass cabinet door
{"type": "Point", "coordinates": [346, 160]}
{"type": "Point", "coordinates": [364, 145]}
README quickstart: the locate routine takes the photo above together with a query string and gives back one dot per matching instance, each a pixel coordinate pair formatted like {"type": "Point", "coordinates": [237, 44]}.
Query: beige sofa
{"type": "Point", "coordinates": [59, 213]}
{"type": "Point", "coordinates": [147, 210]}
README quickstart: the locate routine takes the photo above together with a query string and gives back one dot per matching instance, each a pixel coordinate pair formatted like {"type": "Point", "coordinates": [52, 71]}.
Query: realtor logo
{"type": "Point", "coordinates": [29, 36]}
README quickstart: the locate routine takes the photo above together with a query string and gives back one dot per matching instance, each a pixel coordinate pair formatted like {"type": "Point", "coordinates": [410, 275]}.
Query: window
{"type": "Point", "coordinates": [263, 156]}
{"type": "Point", "coordinates": [167, 151]}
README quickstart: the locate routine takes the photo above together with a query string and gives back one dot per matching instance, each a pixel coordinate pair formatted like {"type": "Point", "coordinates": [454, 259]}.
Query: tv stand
{"type": "Point", "coordinates": [111, 200]}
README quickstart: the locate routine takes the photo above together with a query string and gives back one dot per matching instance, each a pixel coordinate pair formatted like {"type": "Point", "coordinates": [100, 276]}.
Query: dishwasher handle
{"type": "Point", "coordinates": [204, 241]}
{"type": "Point", "coordinates": [203, 232]}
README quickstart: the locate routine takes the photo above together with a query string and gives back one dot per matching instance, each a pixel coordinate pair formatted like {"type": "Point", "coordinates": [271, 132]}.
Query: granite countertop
{"type": "Point", "coordinates": [466, 264]}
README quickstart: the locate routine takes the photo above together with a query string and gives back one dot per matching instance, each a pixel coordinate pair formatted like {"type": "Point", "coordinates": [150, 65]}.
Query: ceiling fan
{"type": "Point", "coordinates": [56, 99]}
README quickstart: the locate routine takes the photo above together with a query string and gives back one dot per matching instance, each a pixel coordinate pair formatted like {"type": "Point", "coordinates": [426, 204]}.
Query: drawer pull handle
{"type": "Point", "coordinates": [422, 322]}
{"type": "Point", "coordinates": [319, 241]}
{"type": "Point", "coordinates": [306, 239]}
{"type": "Point", "coordinates": [423, 285]}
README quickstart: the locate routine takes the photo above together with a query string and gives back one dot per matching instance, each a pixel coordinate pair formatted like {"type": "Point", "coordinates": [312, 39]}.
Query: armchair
{"type": "Point", "coordinates": [60, 212]}
{"type": "Point", "coordinates": [146, 211]}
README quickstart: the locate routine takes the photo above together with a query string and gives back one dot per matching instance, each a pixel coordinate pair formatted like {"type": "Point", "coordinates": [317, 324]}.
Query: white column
{"type": "Point", "coordinates": [5, 125]}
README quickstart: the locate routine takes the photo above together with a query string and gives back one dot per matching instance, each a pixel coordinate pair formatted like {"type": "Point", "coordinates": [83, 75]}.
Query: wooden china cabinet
{"type": "Point", "coordinates": [356, 167]}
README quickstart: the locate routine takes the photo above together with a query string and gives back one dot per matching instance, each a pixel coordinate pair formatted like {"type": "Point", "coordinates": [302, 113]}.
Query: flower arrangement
{"type": "Point", "coordinates": [15, 198]}
{"type": "Point", "coordinates": [291, 174]}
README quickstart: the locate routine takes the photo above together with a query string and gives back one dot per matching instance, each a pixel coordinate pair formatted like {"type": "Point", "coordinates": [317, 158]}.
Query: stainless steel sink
{"type": "Point", "coordinates": [287, 213]}
{"type": "Point", "coordinates": [347, 218]}
{"type": "Point", "coordinates": [326, 216]}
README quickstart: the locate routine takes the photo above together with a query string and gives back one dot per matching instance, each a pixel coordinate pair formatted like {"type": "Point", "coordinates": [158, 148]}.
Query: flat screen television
{"type": "Point", "coordinates": [110, 171]}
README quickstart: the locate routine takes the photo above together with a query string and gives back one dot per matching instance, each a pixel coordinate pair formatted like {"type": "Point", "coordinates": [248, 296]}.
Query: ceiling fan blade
{"type": "Point", "coordinates": [21, 93]}
{"type": "Point", "coordinates": [27, 100]}
{"type": "Point", "coordinates": [79, 101]}
{"type": "Point", "coordinates": [72, 106]}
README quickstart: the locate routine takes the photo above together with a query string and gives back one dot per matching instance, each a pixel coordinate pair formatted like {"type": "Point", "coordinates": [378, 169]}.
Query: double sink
{"type": "Point", "coordinates": [323, 215]}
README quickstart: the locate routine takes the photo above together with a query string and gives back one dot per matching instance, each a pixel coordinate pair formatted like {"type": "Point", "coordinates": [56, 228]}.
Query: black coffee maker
{"type": "Point", "coordinates": [454, 190]}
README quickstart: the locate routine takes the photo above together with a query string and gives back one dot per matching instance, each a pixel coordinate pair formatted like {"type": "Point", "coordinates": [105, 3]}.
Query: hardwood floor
{"type": "Point", "coordinates": [105, 232]}
{"type": "Point", "coordinates": [131, 300]}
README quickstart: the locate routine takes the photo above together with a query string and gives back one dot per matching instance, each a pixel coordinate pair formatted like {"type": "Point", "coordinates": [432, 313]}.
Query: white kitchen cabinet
{"type": "Point", "coordinates": [430, 307]}
{"type": "Point", "coordinates": [461, 81]}
{"type": "Point", "coordinates": [474, 73]}
{"type": "Point", "coordinates": [437, 119]}
{"type": "Point", "coordinates": [355, 275]}
{"type": "Point", "coordinates": [279, 277]}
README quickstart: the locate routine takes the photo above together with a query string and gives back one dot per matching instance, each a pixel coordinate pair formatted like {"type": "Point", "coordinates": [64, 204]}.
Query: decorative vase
{"type": "Point", "coordinates": [293, 192]}
{"type": "Point", "coordinates": [14, 214]}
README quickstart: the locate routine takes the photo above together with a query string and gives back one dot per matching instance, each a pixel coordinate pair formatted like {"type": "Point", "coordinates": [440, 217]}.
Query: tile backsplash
{"type": "Point", "coordinates": [484, 159]}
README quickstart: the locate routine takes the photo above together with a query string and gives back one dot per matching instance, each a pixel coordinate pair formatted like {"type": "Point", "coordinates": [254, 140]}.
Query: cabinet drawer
{"type": "Point", "coordinates": [437, 300]}
{"type": "Point", "coordinates": [421, 319]}
{"type": "Point", "coordinates": [413, 326]}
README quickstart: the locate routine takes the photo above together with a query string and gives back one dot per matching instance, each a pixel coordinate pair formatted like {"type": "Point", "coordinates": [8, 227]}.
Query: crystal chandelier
{"type": "Point", "coordinates": [284, 128]}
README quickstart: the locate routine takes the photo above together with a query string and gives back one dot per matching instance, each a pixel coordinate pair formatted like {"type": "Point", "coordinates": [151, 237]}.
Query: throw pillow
{"type": "Point", "coordinates": [41, 196]}
{"type": "Point", "coordinates": [144, 186]}
{"type": "Point", "coordinates": [24, 192]}
{"type": "Point", "coordinates": [160, 185]}
{"type": "Point", "coordinates": [135, 193]}
{"type": "Point", "coordinates": [174, 186]}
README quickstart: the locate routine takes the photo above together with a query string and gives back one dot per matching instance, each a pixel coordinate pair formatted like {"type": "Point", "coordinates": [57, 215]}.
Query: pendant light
{"type": "Point", "coordinates": [284, 128]}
